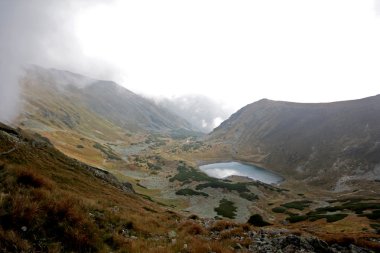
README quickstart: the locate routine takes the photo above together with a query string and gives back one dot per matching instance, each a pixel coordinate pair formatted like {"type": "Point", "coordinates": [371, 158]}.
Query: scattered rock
{"type": "Point", "coordinates": [238, 246]}
{"type": "Point", "coordinates": [172, 234]}
{"type": "Point", "coordinates": [24, 228]}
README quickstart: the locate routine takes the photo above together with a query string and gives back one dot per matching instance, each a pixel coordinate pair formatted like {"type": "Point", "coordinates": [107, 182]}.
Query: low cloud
{"type": "Point", "coordinates": [202, 112]}
{"type": "Point", "coordinates": [39, 32]}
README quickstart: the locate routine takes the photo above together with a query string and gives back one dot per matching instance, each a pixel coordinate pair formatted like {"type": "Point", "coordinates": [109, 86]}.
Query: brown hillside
{"type": "Point", "coordinates": [321, 142]}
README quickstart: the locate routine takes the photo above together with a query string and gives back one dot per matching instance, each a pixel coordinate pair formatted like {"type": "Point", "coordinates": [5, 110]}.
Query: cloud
{"type": "Point", "coordinates": [377, 7]}
{"type": "Point", "coordinates": [202, 112]}
{"type": "Point", "coordinates": [39, 32]}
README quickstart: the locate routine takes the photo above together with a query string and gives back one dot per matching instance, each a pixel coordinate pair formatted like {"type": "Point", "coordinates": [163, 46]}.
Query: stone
{"type": "Point", "coordinates": [238, 246]}
{"type": "Point", "coordinates": [172, 234]}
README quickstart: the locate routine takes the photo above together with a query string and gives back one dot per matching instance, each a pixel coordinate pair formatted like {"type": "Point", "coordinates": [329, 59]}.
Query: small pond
{"type": "Point", "coordinates": [223, 170]}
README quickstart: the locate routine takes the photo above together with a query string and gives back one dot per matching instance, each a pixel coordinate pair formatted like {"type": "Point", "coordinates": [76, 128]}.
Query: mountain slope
{"type": "Point", "coordinates": [52, 203]}
{"type": "Point", "coordinates": [315, 141]}
{"type": "Point", "coordinates": [69, 101]}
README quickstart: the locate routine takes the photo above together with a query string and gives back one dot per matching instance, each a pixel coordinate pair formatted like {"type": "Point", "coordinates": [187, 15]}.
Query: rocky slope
{"type": "Point", "coordinates": [318, 142]}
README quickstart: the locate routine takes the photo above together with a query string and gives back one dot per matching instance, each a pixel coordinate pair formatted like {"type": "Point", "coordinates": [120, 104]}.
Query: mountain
{"type": "Point", "coordinates": [65, 100]}
{"type": "Point", "coordinates": [321, 142]}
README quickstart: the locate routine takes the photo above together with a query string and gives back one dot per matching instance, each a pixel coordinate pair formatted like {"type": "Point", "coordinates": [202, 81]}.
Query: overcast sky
{"type": "Point", "coordinates": [233, 51]}
{"type": "Point", "coordinates": [240, 51]}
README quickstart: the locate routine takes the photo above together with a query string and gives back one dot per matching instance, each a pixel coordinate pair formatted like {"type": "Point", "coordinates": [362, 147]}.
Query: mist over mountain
{"type": "Point", "coordinates": [202, 112]}
{"type": "Point", "coordinates": [66, 100]}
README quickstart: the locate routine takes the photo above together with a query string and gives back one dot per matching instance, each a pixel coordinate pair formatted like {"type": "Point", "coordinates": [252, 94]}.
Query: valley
{"type": "Point", "coordinates": [324, 177]}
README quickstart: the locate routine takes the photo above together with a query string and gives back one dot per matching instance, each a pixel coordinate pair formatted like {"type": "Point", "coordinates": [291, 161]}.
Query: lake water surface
{"type": "Point", "coordinates": [223, 170]}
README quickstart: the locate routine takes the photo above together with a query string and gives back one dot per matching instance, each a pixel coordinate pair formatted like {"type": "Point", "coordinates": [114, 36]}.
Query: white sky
{"type": "Point", "coordinates": [239, 51]}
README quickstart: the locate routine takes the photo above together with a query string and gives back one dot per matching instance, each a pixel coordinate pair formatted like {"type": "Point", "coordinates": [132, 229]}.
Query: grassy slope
{"type": "Point", "coordinates": [50, 202]}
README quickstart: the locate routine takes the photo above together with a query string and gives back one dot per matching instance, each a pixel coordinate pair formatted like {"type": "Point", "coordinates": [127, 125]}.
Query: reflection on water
{"type": "Point", "coordinates": [223, 170]}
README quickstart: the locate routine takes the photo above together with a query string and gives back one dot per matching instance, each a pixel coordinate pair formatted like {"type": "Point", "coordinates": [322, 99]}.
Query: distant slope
{"type": "Point", "coordinates": [321, 142]}
{"type": "Point", "coordinates": [55, 98]}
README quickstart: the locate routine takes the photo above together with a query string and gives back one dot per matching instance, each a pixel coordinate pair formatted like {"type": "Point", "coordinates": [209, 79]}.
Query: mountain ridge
{"type": "Point", "coordinates": [303, 139]}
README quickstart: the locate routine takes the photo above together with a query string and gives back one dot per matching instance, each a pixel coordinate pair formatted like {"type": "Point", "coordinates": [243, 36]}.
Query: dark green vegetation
{"type": "Point", "coordinates": [258, 221]}
{"type": "Point", "coordinates": [107, 151]}
{"type": "Point", "coordinates": [239, 187]}
{"type": "Point", "coordinates": [279, 209]}
{"type": "Point", "coordinates": [248, 196]}
{"type": "Point", "coordinates": [299, 205]}
{"type": "Point", "coordinates": [226, 209]}
{"type": "Point", "coordinates": [357, 207]}
{"type": "Point", "coordinates": [375, 215]}
{"type": "Point", "coordinates": [190, 192]}
{"type": "Point", "coordinates": [187, 174]}
{"type": "Point", "coordinates": [376, 227]}
{"type": "Point", "coordinates": [371, 210]}
{"type": "Point", "coordinates": [315, 217]}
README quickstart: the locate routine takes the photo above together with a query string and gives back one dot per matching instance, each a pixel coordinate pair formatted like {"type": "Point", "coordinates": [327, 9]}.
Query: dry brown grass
{"type": "Point", "coordinates": [65, 208]}
{"type": "Point", "coordinates": [192, 228]}
{"type": "Point", "coordinates": [223, 225]}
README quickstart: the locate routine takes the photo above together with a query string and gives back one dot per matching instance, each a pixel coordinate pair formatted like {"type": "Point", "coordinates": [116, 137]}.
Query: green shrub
{"type": "Point", "coordinates": [239, 187]}
{"type": "Point", "coordinates": [297, 218]}
{"type": "Point", "coordinates": [299, 205]}
{"type": "Point", "coordinates": [190, 192]}
{"type": "Point", "coordinates": [279, 209]}
{"type": "Point", "coordinates": [248, 196]}
{"type": "Point", "coordinates": [186, 173]}
{"type": "Point", "coordinates": [375, 215]}
{"type": "Point", "coordinates": [226, 208]}
{"type": "Point", "coordinates": [257, 220]}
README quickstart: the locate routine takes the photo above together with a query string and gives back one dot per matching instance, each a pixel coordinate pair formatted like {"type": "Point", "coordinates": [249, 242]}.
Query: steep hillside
{"type": "Point", "coordinates": [52, 203]}
{"type": "Point", "coordinates": [65, 100]}
{"type": "Point", "coordinates": [319, 142]}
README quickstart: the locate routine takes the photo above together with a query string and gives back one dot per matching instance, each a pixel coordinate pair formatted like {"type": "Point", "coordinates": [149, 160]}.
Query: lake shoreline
{"type": "Point", "coordinates": [225, 169]}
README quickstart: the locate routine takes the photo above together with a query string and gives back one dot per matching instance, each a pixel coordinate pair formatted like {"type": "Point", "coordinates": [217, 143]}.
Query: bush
{"type": "Point", "coordinates": [258, 221]}
{"type": "Point", "coordinates": [299, 205]}
{"type": "Point", "coordinates": [190, 192]}
{"type": "Point", "coordinates": [226, 209]}
{"type": "Point", "coordinates": [249, 196]}
{"type": "Point", "coordinates": [239, 187]}
{"type": "Point", "coordinates": [186, 173]}
{"type": "Point", "coordinates": [297, 218]}
{"type": "Point", "coordinates": [279, 209]}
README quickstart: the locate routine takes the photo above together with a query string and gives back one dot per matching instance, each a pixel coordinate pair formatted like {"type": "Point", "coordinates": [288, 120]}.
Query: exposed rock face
{"type": "Point", "coordinates": [317, 142]}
